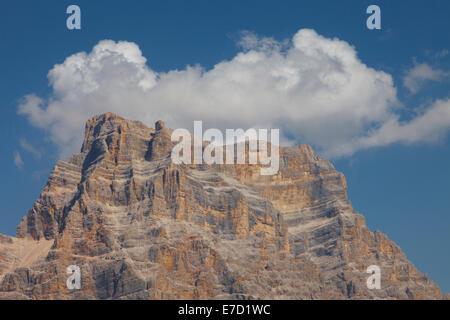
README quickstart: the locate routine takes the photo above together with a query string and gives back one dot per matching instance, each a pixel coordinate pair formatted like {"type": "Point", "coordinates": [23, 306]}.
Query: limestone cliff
{"type": "Point", "coordinates": [141, 227]}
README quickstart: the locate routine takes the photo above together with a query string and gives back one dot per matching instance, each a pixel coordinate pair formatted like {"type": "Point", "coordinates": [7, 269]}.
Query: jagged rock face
{"type": "Point", "coordinates": [141, 227]}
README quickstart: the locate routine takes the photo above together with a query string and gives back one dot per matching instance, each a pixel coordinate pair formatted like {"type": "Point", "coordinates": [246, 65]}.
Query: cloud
{"type": "Point", "coordinates": [315, 89]}
{"type": "Point", "coordinates": [443, 53]}
{"type": "Point", "coordinates": [428, 127]}
{"type": "Point", "coordinates": [18, 162]}
{"type": "Point", "coordinates": [419, 74]}
{"type": "Point", "coordinates": [30, 148]}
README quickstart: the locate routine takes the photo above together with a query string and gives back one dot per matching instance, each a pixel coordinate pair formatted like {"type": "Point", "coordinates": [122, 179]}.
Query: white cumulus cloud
{"type": "Point", "coordinates": [315, 89]}
{"type": "Point", "coordinates": [428, 127]}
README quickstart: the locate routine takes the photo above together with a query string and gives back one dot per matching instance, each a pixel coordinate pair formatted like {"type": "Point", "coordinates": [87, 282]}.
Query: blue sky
{"type": "Point", "coordinates": [401, 188]}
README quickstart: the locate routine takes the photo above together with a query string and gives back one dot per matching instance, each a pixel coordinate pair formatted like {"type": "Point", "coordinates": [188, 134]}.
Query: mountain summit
{"type": "Point", "coordinates": [140, 227]}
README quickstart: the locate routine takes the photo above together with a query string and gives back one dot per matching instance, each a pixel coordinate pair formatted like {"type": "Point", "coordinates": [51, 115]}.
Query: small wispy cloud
{"type": "Point", "coordinates": [421, 73]}
{"type": "Point", "coordinates": [443, 53]}
{"type": "Point", "coordinates": [30, 148]}
{"type": "Point", "coordinates": [437, 54]}
{"type": "Point", "coordinates": [18, 162]}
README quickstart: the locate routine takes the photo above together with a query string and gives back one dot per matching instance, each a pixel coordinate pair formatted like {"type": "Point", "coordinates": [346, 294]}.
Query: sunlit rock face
{"type": "Point", "coordinates": [141, 227]}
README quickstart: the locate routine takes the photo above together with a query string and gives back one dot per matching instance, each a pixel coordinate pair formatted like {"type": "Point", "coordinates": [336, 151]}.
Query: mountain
{"type": "Point", "coordinates": [140, 227]}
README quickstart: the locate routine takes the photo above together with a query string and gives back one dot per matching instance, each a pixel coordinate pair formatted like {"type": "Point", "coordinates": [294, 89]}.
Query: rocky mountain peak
{"type": "Point", "coordinates": [141, 227]}
{"type": "Point", "coordinates": [159, 125]}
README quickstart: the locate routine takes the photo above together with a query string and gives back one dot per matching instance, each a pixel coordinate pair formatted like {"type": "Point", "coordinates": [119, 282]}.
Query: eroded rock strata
{"type": "Point", "coordinates": [141, 227]}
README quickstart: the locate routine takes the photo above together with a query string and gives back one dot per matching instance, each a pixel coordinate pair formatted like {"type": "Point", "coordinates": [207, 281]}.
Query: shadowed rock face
{"type": "Point", "coordinates": [140, 227]}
